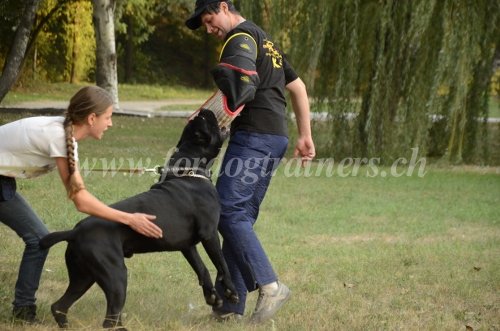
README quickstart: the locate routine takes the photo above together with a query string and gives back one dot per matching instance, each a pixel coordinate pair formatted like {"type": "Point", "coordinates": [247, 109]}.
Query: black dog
{"type": "Point", "coordinates": [187, 209]}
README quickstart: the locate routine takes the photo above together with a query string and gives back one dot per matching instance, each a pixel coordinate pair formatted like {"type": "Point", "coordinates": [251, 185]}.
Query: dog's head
{"type": "Point", "coordinates": [202, 138]}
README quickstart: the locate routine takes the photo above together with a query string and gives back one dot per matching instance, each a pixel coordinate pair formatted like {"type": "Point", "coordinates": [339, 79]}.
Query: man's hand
{"type": "Point", "coordinates": [305, 149]}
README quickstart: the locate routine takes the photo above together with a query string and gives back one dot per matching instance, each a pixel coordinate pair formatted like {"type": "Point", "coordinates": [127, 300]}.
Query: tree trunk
{"type": "Point", "coordinates": [74, 51]}
{"type": "Point", "coordinates": [129, 51]}
{"type": "Point", "coordinates": [106, 72]}
{"type": "Point", "coordinates": [17, 52]}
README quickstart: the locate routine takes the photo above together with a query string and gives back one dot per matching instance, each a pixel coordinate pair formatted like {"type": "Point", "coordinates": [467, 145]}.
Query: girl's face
{"type": "Point", "coordinates": [100, 123]}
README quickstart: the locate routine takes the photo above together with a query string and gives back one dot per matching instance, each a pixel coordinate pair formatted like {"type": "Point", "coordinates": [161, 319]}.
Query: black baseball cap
{"type": "Point", "coordinates": [194, 22]}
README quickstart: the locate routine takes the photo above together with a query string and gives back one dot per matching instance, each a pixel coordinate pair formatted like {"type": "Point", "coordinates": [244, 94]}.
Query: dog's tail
{"type": "Point", "coordinates": [53, 238]}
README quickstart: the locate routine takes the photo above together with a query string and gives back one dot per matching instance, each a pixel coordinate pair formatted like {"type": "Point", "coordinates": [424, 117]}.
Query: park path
{"type": "Point", "coordinates": [146, 108]}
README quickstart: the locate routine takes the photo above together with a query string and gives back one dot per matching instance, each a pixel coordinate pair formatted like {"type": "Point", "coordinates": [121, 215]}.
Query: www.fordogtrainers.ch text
{"type": "Point", "coordinates": [290, 167]}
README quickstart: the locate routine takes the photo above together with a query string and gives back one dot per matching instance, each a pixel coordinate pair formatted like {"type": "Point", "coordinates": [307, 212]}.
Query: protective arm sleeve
{"type": "Point", "coordinates": [236, 74]}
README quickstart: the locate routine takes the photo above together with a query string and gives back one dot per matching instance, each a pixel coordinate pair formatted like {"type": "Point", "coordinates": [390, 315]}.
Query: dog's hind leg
{"type": "Point", "coordinates": [80, 280]}
{"type": "Point", "coordinates": [213, 248]}
{"type": "Point", "coordinates": [212, 298]}
{"type": "Point", "coordinates": [111, 276]}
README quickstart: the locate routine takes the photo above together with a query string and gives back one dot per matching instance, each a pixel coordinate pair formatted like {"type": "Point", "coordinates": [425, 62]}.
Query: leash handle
{"type": "Point", "coordinates": [157, 170]}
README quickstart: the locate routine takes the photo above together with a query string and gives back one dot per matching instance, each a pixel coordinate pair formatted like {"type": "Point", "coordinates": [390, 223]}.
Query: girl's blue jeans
{"type": "Point", "coordinates": [18, 215]}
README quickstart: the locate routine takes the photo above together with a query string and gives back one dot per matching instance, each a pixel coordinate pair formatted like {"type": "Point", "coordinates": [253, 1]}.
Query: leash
{"type": "Point", "coordinates": [157, 170]}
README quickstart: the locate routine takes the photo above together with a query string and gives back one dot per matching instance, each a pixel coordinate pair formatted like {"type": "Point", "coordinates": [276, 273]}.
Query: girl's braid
{"type": "Point", "coordinates": [88, 100]}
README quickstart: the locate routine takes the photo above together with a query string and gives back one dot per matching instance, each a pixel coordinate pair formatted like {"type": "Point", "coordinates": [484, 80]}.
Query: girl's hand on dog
{"type": "Point", "coordinates": [143, 224]}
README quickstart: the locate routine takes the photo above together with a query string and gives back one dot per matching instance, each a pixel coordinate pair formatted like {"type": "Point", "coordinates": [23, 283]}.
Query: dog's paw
{"type": "Point", "coordinates": [231, 296]}
{"type": "Point", "coordinates": [213, 299]}
{"type": "Point", "coordinates": [60, 318]}
{"type": "Point", "coordinates": [113, 325]}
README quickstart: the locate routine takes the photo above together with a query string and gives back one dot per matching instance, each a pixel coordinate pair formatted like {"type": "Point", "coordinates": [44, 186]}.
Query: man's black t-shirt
{"type": "Point", "coordinates": [266, 113]}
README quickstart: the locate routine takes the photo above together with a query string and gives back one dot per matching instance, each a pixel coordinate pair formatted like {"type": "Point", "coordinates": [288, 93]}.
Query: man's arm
{"type": "Point", "coordinates": [236, 74]}
{"type": "Point", "coordinates": [300, 104]}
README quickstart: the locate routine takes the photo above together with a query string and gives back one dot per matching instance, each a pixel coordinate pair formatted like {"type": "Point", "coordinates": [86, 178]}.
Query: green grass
{"type": "Point", "coordinates": [494, 107]}
{"type": "Point", "coordinates": [127, 92]}
{"type": "Point", "coordinates": [148, 92]}
{"type": "Point", "coordinates": [359, 252]}
{"type": "Point", "coordinates": [35, 92]}
{"type": "Point", "coordinates": [190, 107]}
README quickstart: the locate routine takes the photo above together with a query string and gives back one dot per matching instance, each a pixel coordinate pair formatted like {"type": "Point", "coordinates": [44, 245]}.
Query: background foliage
{"type": "Point", "coordinates": [65, 50]}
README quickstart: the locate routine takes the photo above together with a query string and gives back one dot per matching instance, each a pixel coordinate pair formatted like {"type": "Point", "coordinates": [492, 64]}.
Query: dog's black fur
{"type": "Point", "coordinates": [187, 210]}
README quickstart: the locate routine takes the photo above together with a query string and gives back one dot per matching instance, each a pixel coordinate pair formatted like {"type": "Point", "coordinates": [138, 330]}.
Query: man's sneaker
{"type": "Point", "coordinates": [220, 316]}
{"type": "Point", "coordinates": [269, 303]}
{"type": "Point", "coordinates": [25, 314]}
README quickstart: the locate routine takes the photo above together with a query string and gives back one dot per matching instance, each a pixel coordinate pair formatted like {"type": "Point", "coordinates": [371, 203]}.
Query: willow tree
{"type": "Point", "coordinates": [470, 37]}
{"type": "Point", "coordinates": [392, 75]}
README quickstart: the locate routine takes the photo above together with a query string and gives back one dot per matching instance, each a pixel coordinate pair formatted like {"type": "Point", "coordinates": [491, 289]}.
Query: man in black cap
{"type": "Point", "coordinates": [254, 72]}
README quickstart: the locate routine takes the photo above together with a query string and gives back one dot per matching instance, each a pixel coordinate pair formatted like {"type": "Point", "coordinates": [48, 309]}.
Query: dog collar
{"type": "Point", "coordinates": [185, 172]}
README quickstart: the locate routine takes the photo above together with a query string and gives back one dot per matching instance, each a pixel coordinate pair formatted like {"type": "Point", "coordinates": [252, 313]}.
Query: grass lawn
{"type": "Point", "coordinates": [127, 92]}
{"type": "Point", "coordinates": [494, 107]}
{"type": "Point", "coordinates": [64, 91]}
{"type": "Point", "coordinates": [359, 252]}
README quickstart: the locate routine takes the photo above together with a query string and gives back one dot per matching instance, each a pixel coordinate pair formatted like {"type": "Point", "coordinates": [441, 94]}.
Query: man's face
{"type": "Point", "coordinates": [217, 24]}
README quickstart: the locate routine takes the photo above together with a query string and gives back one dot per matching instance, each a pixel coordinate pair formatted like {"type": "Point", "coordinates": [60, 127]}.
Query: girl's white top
{"type": "Point", "coordinates": [28, 146]}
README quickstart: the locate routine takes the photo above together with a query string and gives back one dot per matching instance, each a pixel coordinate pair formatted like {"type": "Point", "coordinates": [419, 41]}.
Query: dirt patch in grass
{"type": "Point", "coordinates": [319, 240]}
{"type": "Point", "coordinates": [466, 233]}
